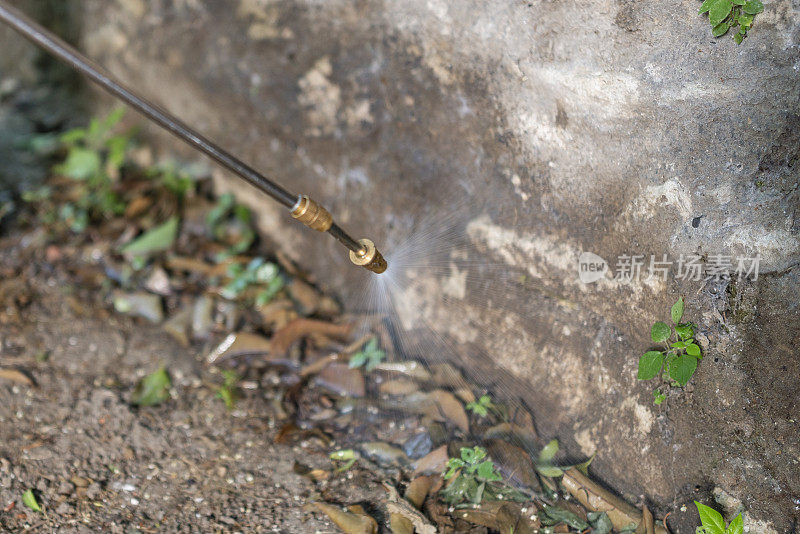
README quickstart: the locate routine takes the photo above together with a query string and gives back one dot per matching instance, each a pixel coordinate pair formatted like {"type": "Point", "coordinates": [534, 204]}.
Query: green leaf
{"type": "Point", "coordinates": [721, 29]}
{"type": "Point", "coordinates": [677, 311]}
{"type": "Point", "coordinates": [745, 21]}
{"type": "Point", "coordinates": [600, 522]}
{"type": "Point", "coordinates": [81, 164]}
{"type": "Point", "coordinates": [660, 332]}
{"type": "Point", "coordinates": [739, 37]}
{"type": "Point", "coordinates": [658, 397]}
{"type": "Point", "coordinates": [71, 137]}
{"type": "Point", "coordinates": [736, 526]}
{"type": "Point", "coordinates": [679, 345]}
{"type": "Point", "coordinates": [554, 515]}
{"type": "Point", "coordinates": [693, 349]}
{"type": "Point", "coordinates": [29, 500]}
{"type": "Point", "coordinates": [583, 467]}
{"type": "Point", "coordinates": [711, 519]}
{"type": "Point", "coordinates": [357, 360]}
{"type": "Point", "coordinates": [682, 369]}
{"type": "Point", "coordinates": [719, 11]}
{"type": "Point", "coordinates": [153, 389]}
{"type": "Point", "coordinates": [550, 471]}
{"type": "Point", "coordinates": [753, 7]}
{"type": "Point", "coordinates": [739, 2]}
{"type": "Point", "coordinates": [218, 212]}
{"type": "Point", "coordinates": [650, 364]}
{"type": "Point", "coordinates": [548, 452]}
{"type": "Point", "coordinates": [473, 455]}
{"type": "Point", "coordinates": [706, 6]}
{"type": "Point", "coordinates": [272, 289]}
{"type": "Point", "coordinates": [685, 330]}
{"type": "Point", "coordinates": [154, 240]}
{"type": "Point", "coordinates": [486, 471]}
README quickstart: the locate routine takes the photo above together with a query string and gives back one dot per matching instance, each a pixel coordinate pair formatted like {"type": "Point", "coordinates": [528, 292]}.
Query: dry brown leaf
{"type": "Point", "coordinates": [137, 206]}
{"type": "Point", "coordinates": [513, 462]}
{"type": "Point", "coordinates": [410, 368]}
{"type": "Point", "coordinates": [349, 522]}
{"type": "Point", "coordinates": [399, 387]}
{"type": "Point", "coordinates": [432, 463]}
{"type": "Point", "coordinates": [16, 376]}
{"type": "Point", "coordinates": [598, 499]}
{"type": "Point", "coordinates": [504, 517]}
{"type": "Point", "coordinates": [300, 328]}
{"type": "Point", "coordinates": [647, 526]}
{"type": "Point", "coordinates": [306, 297]}
{"type": "Point", "coordinates": [181, 263]}
{"type": "Point", "coordinates": [418, 489]}
{"type": "Point", "coordinates": [237, 345]}
{"type": "Point", "coordinates": [340, 379]}
{"type": "Point", "coordinates": [439, 405]}
{"type": "Point", "coordinates": [398, 506]}
{"type": "Point", "coordinates": [398, 524]}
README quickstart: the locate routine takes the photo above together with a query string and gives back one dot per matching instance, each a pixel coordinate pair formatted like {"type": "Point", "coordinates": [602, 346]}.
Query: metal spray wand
{"type": "Point", "coordinates": [302, 208]}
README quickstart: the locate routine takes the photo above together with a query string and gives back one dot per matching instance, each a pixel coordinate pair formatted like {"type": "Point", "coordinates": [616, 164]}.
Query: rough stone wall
{"type": "Point", "coordinates": [505, 138]}
{"type": "Point", "coordinates": [36, 94]}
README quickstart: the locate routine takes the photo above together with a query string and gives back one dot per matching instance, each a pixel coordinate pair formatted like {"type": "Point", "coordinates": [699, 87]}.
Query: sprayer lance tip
{"type": "Point", "coordinates": [371, 259]}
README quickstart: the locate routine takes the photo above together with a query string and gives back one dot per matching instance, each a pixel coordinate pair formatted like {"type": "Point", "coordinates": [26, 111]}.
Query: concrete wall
{"type": "Point", "coordinates": [505, 138]}
{"type": "Point", "coordinates": [36, 94]}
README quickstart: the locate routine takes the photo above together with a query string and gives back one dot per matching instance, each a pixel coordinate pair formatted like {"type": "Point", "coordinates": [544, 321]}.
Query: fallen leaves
{"type": "Point", "coordinates": [432, 463]}
{"type": "Point", "coordinates": [404, 517]}
{"type": "Point", "coordinates": [504, 517]}
{"type": "Point", "coordinates": [596, 498]}
{"type": "Point", "coordinates": [15, 375]}
{"type": "Point", "coordinates": [439, 405]}
{"type": "Point", "coordinates": [239, 345]}
{"type": "Point", "coordinates": [352, 521]}
{"type": "Point", "coordinates": [301, 327]}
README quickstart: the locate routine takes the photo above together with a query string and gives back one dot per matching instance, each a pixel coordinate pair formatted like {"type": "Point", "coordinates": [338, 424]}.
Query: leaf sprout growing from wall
{"type": "Point", "coordinates": [727, 15]}
{"type": "Point", "coordinates": [676, 362]}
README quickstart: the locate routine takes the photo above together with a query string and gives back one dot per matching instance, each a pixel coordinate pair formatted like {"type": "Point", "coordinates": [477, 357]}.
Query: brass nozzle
{"type": "Point", "coordinates": [311, 214]}
{"type": "Point", "coordinates": [370, 259]}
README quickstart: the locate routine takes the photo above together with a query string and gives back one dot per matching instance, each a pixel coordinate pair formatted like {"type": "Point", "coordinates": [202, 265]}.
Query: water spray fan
{"type": "Point", "coordinates": [303, 208]}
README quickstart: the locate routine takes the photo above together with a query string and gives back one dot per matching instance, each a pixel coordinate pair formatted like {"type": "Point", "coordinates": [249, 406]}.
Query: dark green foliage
{"type": "Point", "coordinates": [677, 361]}
{"type": "Point", "coordinates": [726, 15]}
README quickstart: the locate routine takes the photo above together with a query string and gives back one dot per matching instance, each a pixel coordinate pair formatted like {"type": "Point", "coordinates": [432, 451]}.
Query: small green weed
{"type": "Point", "coordinates": [232, 224]}
{"type": "Point", "coordinates": [29, 500]}
{"type": "Point", "coordinates": [482, 406]}
{"type": "Point", "coordinates": [677, 361]}
{"type": "Point", "coordinates": [95, 156]}
{"type": "Point", "coordinates": [229, 390]}
{"type": "Point", "coordinates": [258, 273]}
{"type": "Point", "coordinates": [343, 459]}
{"type": "Point", "coordinates": [369, 357]}
{"type": "Point", "coordinates": [153, 389]}
{"type": "Point", "coordinates": [713, 523]}
{"type": "Point", "coordinates": [725, 15]}
{"type": "Point", "coordinates": [472, 475]}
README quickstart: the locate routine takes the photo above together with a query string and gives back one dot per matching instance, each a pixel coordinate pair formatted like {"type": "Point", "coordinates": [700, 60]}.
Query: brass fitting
{"type": "Point", "coordinates": [311, 214]}
{"type": "Point", "coordinates": [370, 259]}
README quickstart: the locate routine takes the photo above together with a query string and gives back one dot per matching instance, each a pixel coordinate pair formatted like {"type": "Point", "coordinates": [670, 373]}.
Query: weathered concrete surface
{"type": "Point", "coordinates": [535, 131]}
{"type": "Point", "coordinates": [36, 95]}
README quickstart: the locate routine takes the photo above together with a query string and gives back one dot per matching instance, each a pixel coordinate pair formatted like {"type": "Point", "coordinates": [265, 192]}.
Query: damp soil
{"type": "Point", "coordinates": [99, 464]}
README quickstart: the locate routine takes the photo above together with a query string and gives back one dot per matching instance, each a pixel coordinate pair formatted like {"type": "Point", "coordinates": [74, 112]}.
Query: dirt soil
{"type": "Point", "coordinates": [98, 464]}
